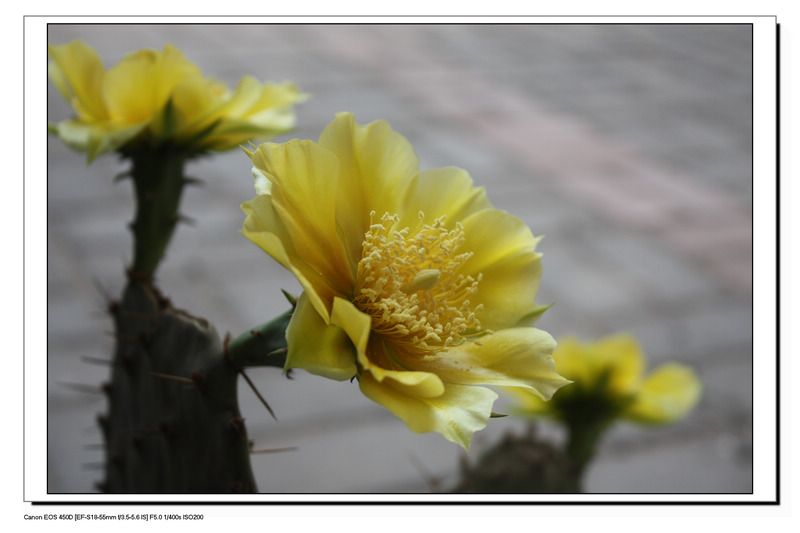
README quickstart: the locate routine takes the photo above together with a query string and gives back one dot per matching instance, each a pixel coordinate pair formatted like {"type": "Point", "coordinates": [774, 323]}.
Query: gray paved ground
{"type": "Point", "coordinates": [629, 147]}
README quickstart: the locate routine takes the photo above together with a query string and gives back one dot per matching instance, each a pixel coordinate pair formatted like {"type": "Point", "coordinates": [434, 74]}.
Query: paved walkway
{"type": "Point", "coordinates": [628, 147]}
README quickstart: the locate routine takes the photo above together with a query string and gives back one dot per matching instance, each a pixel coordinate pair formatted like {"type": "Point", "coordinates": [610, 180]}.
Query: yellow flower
{"type": "Point", "coordinates": [412, 282]}
{"type": "Point", "coordinates": [608, 375]}
{"type": "Point", "coordinates": [163, 96]}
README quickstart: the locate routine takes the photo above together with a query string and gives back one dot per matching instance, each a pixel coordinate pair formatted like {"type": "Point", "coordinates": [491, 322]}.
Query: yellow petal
{"type": "Point", "coordinates": [304, 180]}
{"type": "Point", "coordinates": [194, 100]}
{"type": "Point", "coordinates": [139, 86]}
{"type": "Point", "coordinates": [94, 138]}
{"type": "Point", "coordinates": [517, 357]}
{"type": "Point", "coordinates": [77, 72]}
{"type": "Point", "coordinates": [246, 95]}
{"type": "Point", "coordinates": [527, 402]}
{"type": "Point", "coordinates": [376, 166]}
{"type": "Point", "coordinates": [358, 327]}
{"type": "Point", "coordinates": [623, 354]}
{"type": "Point", "coordinates": [504, 253]}
{"type": "Point", "coordinates": [616, 360]}
{"type": "Point", "coordinates": [667, 394]}
{"type": "Point", "coordinates": [276, 96]}
{"type": "Point", "coordinates": [443, 191]}
{"type": "Point", "coordinates": [264, 228]}
{"type": "Point", "coordinates": [252, 111]}
{"type": "Point", "coordinates": [317, 347]}
{"type": "Point", "coordinates": [356, 324]}
{"type": "Point", "coordinates": [457, 413]}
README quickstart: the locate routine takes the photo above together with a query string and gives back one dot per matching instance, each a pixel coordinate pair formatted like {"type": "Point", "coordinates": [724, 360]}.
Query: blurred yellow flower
{"type": "Point", "coordinates": [608, 375]}
{"type": "Point", "coordinates": [162, 97]}
{"type": "Point", "coordinates": [412, 281]}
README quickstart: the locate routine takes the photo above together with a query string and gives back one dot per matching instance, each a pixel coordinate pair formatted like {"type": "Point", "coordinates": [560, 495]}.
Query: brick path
{"type": "Point", "coordinates": [627, 146]}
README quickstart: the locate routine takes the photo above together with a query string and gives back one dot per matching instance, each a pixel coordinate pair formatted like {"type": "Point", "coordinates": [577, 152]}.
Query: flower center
{"type": "Point", "coordinates": [408, 284]}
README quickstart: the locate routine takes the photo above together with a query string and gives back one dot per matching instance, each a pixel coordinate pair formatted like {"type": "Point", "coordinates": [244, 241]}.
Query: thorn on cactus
{"type": "Point", "coordinates": [189, 221]}
{"type": "Point", "coordinates": [102, 421]}
{"type": "Point", "coordinates": [292, 300]}
{"type": "Point", "coordinates": [174, 378]}
{"type": "Point", "coordinates": [112, 307]}
{"type": "Point", "coordinates": [163, 302]}
{"type": "Point", "coordinates": [96, 361]}
{"type": "Point", "coordinates": [279, 351]}
{"type": "Point", "coordinates": [197, 377]}
{"type": "Point", "coordinates": [237, 425]}
{"type": "Point", "coordinates": [122, 176]}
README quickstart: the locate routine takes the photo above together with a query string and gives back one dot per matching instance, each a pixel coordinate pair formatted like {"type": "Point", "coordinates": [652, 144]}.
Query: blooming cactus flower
{"type": "Point", "coordinates": [412, 282]}
{"type": "Point", "coordinates": [610, 372]}
{"type": "Point", "coordinates": [165, 96]}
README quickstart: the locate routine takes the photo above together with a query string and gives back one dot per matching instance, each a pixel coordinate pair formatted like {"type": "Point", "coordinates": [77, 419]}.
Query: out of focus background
{"type": "Point", "coordinates": [627, 146]}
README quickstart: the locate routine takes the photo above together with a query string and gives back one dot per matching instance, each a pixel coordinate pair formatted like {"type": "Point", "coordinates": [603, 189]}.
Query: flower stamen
{"type": "Point", "coordinates": [408, 283]}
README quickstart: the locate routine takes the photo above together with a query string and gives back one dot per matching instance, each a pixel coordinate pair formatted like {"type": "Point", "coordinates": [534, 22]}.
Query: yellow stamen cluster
{"type": "Point", "coordinates": [408, 283]}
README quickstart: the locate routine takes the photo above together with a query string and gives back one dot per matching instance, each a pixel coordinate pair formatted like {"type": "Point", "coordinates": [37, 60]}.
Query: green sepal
{"type": "Point", "coordinates": [534, 315]}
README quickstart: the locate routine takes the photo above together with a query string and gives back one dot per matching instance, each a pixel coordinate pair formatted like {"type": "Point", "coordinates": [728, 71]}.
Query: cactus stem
{"type": "Point", "coordinates": [166, 429]}
{"type": "Point", "coordinates": [117, 461]}
{"type": "Point", "coordinates": [143, 340]}
{"type": "Point", "coordinates": [125, 339]}
{"type": "Point", "coordinates": [158, 184]}
{"type": "Point", "coordinates": [138, 276]}
{"type": "Point", "coordinates": [142, 316]}
{"type": "Point", "coordinates": [260, 346]}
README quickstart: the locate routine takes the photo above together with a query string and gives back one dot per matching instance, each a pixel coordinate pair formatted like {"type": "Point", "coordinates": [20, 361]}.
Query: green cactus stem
{"type": "Point", "coordinates": [520, 464]}
{"type": "Point", "coordinates": [174, 424]}
{"type": "Point", "coordinates": [158, 178]}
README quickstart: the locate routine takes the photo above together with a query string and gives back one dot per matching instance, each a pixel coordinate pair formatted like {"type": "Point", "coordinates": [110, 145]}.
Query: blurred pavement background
{"type": "Point", "coordinates": [627, 146]}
